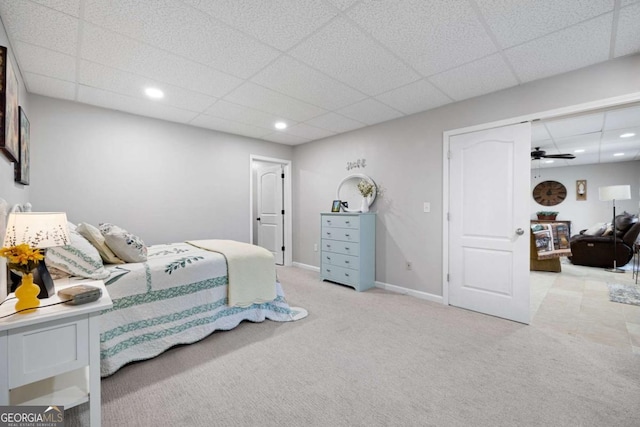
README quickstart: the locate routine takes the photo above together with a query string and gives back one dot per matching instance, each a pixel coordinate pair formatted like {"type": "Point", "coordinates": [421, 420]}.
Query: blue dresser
{"type": "Point", "coordinates": [348, 254]}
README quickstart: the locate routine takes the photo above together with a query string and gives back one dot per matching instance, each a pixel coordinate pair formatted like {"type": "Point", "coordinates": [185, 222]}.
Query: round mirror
{"type": "Point", "coordinates": [348, 192]}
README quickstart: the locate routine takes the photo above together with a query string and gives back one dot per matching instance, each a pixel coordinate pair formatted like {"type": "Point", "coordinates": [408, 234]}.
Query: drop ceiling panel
{"type": "Point", "coordinates": [483, 76]}
{"type": "Point", "coordinates": [628, 33]}
{"type": "Point", "coordinates": [432, 36]}
{"type": "Point", "coordinates": [283, 138]}
{"type": "Point", "coordinates": [99, 76]}
{"type": "Point", "coordinates": [370, 112]}
{"type": "Point", "coordinates": [108, 48]}
{"type": "Point", "coordinates": [114, 101]}
{"type": "Point", "coordinates": [307, 131]}
{"type": "Point", "coordinates": [48, 86]}
{"type": "Point", "coordinates": [46, 62]}
{"type": "Point", "coordinates": [573, 126]}
{"type": "Point", "coordinates": [578, 46]}
{"type": "Point", "coordinates": [539, 132]}
{"type": "Point", "coordinates": [414, 97]}
{"type": "Point", "coordinates": [239, 113]}
{"type": "Point", "coordinates": [361, 63]}
{"type": "Point", "coordinates": [70, 7]}
{"type": "Point", "coordinates": [261, 98]}
{"type": "Point", "coordinates": [517, 21]}
{"type": "Point", "coordinates": [46, 27]}
{"type": "Point", "coordinates": [589, 141]}
{"type": "Point", "coordinates": [623, 118]}
{"type": "Point", "coordinates": [184, 31]}
{"type": "Point", "coordinates": [279, 23]}
{"type": "Point", "coordinates": [291, 77]}
{"type": "Point", "coordinates": [228, 126]}
{"type": "Point", "coordinates": [335, 123]}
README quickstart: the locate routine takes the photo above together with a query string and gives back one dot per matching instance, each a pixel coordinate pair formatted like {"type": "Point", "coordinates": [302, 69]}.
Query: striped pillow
{"type": "Point", "coordinates": [79, 258]}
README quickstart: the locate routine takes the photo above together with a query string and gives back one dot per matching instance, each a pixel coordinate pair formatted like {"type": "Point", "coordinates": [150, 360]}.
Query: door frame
{"type": "Point", "coordinates": [547, 114]}
{"type": "Point", "coordinates": [288, 204]}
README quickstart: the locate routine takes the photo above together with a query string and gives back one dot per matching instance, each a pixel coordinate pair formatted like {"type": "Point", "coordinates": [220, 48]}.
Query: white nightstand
{"type": "Point", "coordinates": [52, 356]}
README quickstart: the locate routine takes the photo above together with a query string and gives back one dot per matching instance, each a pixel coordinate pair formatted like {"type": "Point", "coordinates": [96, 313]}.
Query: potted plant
{"type": "Point", "coordinates": [547, 215]}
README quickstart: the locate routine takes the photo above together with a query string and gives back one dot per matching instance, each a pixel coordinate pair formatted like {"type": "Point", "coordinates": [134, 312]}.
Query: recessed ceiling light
{"type": "Point", "coordinates": [619, 154]}
{"type": "Point", "coordinates": [627, 135]}
{"type": "Point", "coordinates": [548, 161]}
{"type": "Point", "coordinates": [280, 125]}
{"type": "Point", "coordinates": [154, 93]}
{"type": "Point", "coordinates": [580, 150]}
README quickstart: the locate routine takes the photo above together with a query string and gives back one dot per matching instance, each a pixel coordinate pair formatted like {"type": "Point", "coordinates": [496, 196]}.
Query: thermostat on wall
{"type": "Point", "coordinates": [80, 294]}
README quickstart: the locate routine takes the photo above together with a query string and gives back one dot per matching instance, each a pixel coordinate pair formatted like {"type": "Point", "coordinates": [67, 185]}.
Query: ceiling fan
{"type": "Point", "coordinates": [538, 154]}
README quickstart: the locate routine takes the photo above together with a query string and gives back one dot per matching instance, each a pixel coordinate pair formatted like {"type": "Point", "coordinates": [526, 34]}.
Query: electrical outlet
{"type": "Point", "coordinates": [409, 265]}
{"type": "Point", "coordinates": [315, 247]}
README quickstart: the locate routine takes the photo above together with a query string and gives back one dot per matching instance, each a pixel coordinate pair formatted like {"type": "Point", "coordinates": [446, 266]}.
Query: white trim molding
{"type": "Point", "coordinates": [306, 266]}
{"type": "Point", "coordinates": [411, 292]}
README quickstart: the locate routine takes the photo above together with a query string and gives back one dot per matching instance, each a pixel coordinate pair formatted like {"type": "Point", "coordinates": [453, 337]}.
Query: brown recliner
{"type": "Point", "coordinates": [597, 251]}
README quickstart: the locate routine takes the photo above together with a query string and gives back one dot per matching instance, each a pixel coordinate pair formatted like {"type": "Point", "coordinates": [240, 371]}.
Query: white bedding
{"type": "Point", "coordinates": [178, 296]}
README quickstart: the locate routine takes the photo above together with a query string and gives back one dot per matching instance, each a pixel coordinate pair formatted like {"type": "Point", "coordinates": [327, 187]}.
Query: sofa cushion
{"type": "Point", "coordinates": [596, 229]}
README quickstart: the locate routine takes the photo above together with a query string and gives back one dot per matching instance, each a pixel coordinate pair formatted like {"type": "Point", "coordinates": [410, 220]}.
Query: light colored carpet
{"type": "Point", "coordinates": [376, 359]}
{"type": "Point", "coordinates": [626, 294]}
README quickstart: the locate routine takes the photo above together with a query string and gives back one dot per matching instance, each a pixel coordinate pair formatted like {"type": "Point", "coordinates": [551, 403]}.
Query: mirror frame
{"type": "Point", "coordinates": [371, 198]}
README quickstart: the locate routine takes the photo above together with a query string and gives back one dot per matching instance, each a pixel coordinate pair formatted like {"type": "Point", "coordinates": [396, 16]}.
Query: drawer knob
{"type": "Point", "coordinates": [346, 274]}
{"type": "Point", "coordinates": [347, 235]}
{"type": "Point", "coordinates": [346, 248]}
{"type": "Point", "coordinates": [346, 262]}
{"type": "Point", "coordinates": [347, 222]}
{"type": "Point", "coordinates": [328, 245]}
{"type": "Point", "coordinates": [329, 258]}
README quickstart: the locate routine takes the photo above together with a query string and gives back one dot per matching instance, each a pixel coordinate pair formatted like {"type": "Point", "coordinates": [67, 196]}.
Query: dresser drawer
{"type": "Point", "coordinates": [339, 221]}
{"type": "Point", "coordinates": [339, 274]}
{"type": "Point", "coordinates": [42, 351]}
{"type": "Point", "coordinates": [348, 261]}
{"type": "Point", "coordinates": [339, 247]}
{"type": "Point", "coordinates": [343, 234]}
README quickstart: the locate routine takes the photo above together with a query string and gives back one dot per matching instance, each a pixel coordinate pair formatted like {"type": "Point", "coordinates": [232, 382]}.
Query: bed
{"type": "Point", "coordinates": [178, 296]}
{"type": "Point", "coordinates": [174, 294]}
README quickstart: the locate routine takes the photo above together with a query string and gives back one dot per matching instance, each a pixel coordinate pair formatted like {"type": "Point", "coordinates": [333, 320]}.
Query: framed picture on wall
{"type": "Point", "coordinates": [8, 107]}
{"type": "Point", "coordinates": [22, 166]}
{"type": "Point", "coordinates": [581, 189]}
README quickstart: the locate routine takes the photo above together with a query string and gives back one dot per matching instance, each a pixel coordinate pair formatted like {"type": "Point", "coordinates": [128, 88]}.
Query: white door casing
{"type": "Point", "coordinates": [270, 211]}
{"type": "Point", "coordinates": [488, 207]}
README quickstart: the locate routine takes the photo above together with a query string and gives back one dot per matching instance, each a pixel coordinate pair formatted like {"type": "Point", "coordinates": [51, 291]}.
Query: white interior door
{"type": "Point", "coordinates": [270, 211]}
{"type": "Point", "coordinates": [489, 221]}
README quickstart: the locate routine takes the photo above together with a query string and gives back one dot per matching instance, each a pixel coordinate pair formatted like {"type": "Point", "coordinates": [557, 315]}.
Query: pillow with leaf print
{"type": "Point", "coordinates": [128, 247]}
{"type": "Point", "coordinates": [78, 258]}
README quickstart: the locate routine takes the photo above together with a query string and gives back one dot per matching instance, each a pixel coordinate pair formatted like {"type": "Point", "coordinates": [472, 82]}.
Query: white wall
{"type": "Point", "coordinates": [405, 157]}
{"type": "Point", "coordinates": [10, 190]}
{"type": "Point", "coordinates": [584, 214]}
{"type": "Point", "coordinates": [163, 181]}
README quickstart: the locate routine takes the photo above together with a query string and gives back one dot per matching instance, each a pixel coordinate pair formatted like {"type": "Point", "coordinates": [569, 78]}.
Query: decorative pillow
{"type": "Point", "coordinates": [95, 237]}
{"type": "Point", "coordinates": [624, 222]}
{"type": "Point", "coordinates": [125, 245]}
{"type": "Point", "coordinates": [596, 229]}
{"type": "Point", "coordinates": [608, 231]}
{"type": "Point", "coordinates": [79, 258]}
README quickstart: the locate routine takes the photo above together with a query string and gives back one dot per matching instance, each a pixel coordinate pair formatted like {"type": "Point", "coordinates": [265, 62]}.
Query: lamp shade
{"type": "Point", "coordinates": [615, 192]}
{"type": "Point", "coordinates": [37, 229]}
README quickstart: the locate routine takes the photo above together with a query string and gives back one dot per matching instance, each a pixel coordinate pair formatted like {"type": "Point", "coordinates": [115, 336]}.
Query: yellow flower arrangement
{"type": "Point", "coordinates": [365, 188]}
{"type": "Point", "coordinates": [22, 257]}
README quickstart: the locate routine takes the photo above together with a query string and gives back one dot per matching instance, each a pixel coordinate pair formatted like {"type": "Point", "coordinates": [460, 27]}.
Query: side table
{"type": "Point", "coordinates": [52, 356]}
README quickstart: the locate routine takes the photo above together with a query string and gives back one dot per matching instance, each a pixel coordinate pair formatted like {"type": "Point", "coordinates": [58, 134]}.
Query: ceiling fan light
{"type": "Point", "coordinates": [579, 150]}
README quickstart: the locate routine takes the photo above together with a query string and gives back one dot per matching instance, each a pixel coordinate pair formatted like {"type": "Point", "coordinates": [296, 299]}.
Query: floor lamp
{"type": "Point", "coordinates": [613, 193]}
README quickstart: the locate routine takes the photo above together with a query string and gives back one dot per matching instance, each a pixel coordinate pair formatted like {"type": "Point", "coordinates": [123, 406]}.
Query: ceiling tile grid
{"type": "Point", "coordinates": [628, 31]}
{"type": "Point", "coordinates": [324, 67]}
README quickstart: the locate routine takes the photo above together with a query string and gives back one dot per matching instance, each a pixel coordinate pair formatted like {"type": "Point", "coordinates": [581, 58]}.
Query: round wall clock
{"type": "Point", "coordinates": [549, 193]}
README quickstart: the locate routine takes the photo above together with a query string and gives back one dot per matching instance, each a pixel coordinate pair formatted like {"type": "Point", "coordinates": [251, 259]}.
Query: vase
{"type": "Point", "coordinates": [364, 207]}
{"type": "Point", "coordinates": [27, 294]}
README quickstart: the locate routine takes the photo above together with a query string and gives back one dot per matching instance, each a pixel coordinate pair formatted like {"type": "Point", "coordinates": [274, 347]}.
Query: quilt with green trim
{"type": "Point", "coordinates": [178, 296]}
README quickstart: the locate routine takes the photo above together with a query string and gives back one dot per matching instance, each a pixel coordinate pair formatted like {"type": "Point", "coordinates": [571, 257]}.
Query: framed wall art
{"type": "Point", "coordinates": [8, 107]}
{"type": "Point", "coordinates": [22, 166]}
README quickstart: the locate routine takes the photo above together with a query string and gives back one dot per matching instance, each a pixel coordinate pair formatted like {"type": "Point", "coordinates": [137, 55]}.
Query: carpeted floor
{"type": "Point", "coordinates": [376, 359]}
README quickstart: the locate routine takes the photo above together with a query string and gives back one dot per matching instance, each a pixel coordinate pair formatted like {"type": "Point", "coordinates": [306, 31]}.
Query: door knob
{"type": "Point", "coordinates": [519, 231]}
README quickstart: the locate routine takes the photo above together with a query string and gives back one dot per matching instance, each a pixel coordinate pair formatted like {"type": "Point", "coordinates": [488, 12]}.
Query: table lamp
{"type": "Point", "coordinates": [40, 230]}
{"type": "Point", "coordinates": [613, 193]}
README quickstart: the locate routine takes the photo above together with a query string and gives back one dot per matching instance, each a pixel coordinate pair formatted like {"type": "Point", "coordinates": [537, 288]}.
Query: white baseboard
{"type": "Point", "coordinates": [306, 266]}
{"type": "Point", "coordinates": [411, 292]}
{"type": "Point", "coordinates": [386, 286]}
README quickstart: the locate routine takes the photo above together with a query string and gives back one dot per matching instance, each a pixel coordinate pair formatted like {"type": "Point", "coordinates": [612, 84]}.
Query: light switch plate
{"type": "Point", "coordinates": [427, 207]}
